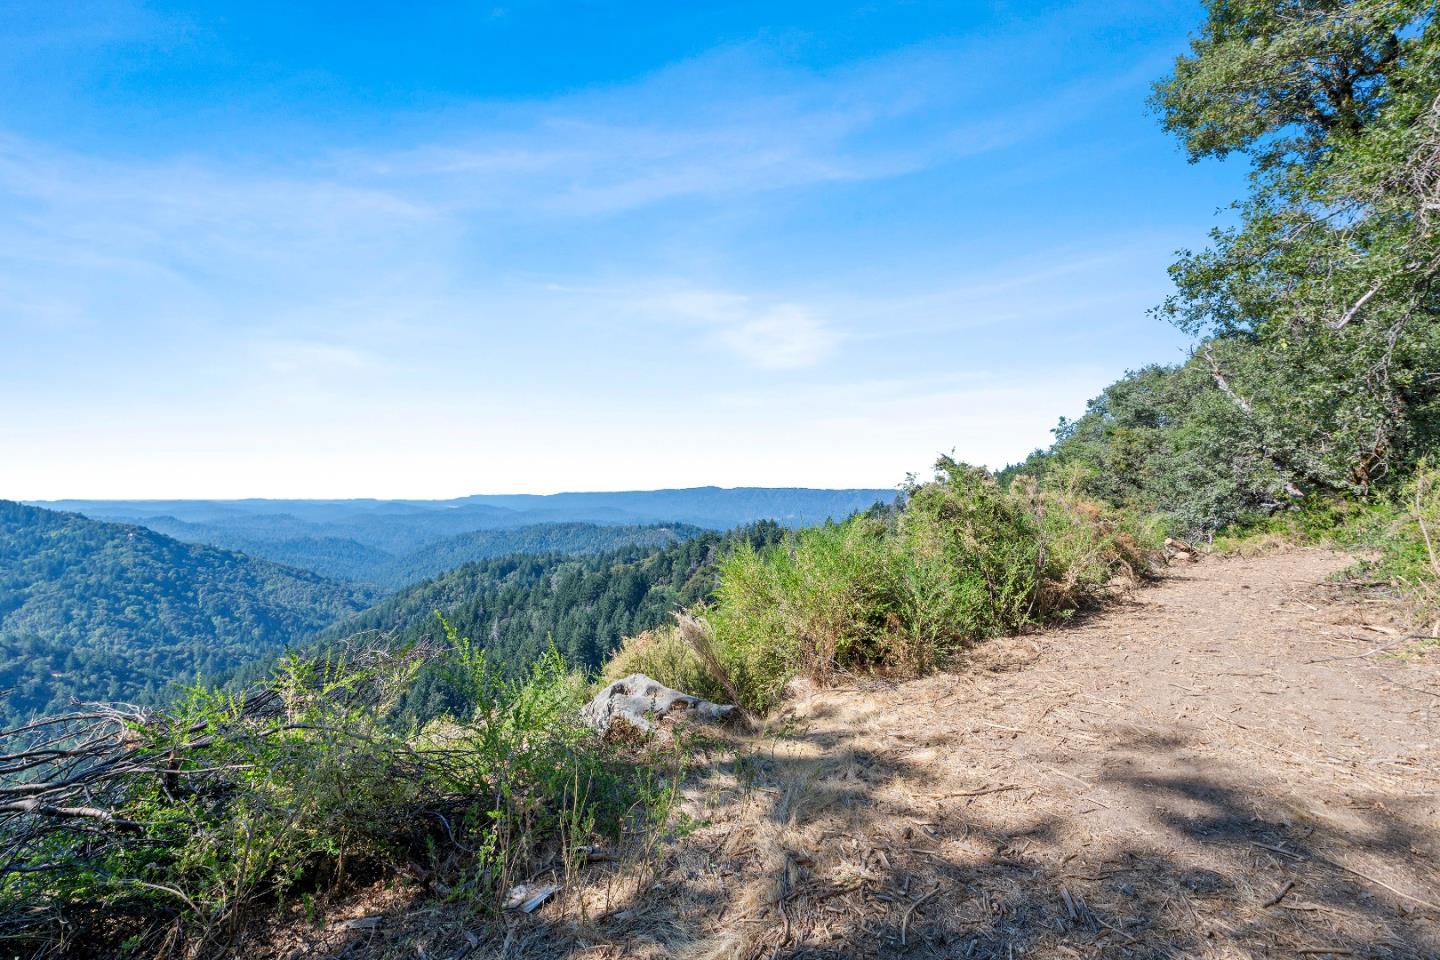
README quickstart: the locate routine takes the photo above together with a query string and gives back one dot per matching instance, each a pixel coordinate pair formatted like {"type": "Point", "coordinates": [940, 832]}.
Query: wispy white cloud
{"type": "Point", "coordinates": [783, 337]}
{"type": "Point", "coordinates": [766, 335]}
{"type": "Point", "coordinates": [731, 123]}
{"type": "Point", "coordinates": [516, 283]}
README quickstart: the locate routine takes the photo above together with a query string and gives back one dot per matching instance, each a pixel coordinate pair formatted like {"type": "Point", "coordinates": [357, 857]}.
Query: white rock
{"type": "Point", "coordinates": [643, 704]}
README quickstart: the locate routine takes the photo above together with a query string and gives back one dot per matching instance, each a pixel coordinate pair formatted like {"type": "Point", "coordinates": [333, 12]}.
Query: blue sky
{"type": "Point", "coordinates": [431, 249]}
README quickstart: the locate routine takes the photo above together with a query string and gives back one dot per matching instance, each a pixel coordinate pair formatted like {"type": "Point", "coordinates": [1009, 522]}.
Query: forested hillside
{"type": "Point", "coordinates": [542, 538]}
{"type": "Point", "coordinates": [516, 606]}
{"type": "Point", "coordinates": [337, 557]}
{"type": "Point", "coordinates": [342, 558]}
{"type": "Point", "coordinates": [92, 610]}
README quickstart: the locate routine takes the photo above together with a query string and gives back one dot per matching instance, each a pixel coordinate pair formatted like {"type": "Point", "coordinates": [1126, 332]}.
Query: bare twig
{"type": "Point", "coordinates": [910, 911]}
{"type": "Point", "coordinates": [981, 793]}
{"type": "Point", "coordinates": [1280, 894]}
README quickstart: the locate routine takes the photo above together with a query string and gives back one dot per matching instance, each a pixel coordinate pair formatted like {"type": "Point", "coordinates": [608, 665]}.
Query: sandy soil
{"type": "Point", "coordinates": [1240, 761]}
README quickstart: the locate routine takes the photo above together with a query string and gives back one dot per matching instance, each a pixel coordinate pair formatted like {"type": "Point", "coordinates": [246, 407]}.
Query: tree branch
{"type": "Point", "coordinates": [1348, 315]}
{"type": "Point", "coordinates": [92, 813]}
{"type": "Point", "coordinates": [1224, 384]}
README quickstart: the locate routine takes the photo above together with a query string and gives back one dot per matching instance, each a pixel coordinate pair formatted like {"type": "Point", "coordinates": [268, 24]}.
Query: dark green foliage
{"type": "Point", "coordinates": [1283, 80]}
{"type": "Point", "coordinates": [518, 606]}
{"type": "Point", "coordinates": [1316, 372]}
{"type": "Point", "coordinates": [1324, 295]}
{"type": "Point", "coordinates": [545, 538]}
{"type": "Point", "coordinates": [102, 611]}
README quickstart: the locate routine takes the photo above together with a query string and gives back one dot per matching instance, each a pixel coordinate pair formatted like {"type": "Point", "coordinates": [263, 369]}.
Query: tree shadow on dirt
{"type": "Point", "coordinates": [830, 848]}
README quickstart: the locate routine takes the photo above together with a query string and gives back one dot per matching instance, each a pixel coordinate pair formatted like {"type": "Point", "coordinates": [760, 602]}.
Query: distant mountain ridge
{"type": "Point", "coordinates": [389, 543]}
{"type": "Point", "coordinates": [716, 508]}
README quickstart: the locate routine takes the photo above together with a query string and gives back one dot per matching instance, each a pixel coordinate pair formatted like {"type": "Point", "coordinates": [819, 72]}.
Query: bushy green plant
{"type": "Point", "coordinates": [820, 598]}
{"type": "Point", "coordinates": [982, 540]}
{"type": "Point", "coordinates": [1084, 546]}
{"type": "Point", "coordinates": [899, 593]}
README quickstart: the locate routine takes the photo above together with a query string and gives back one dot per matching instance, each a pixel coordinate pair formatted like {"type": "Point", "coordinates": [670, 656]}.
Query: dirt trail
{"type": "Point", "coordinates": [1228, 765]}
{"type": "Point", "coordinates": [1232, 764]}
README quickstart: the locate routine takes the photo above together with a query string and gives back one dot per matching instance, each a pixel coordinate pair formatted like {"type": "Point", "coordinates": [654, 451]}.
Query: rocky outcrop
{"type": "Point", "coordinates": [638, 705]}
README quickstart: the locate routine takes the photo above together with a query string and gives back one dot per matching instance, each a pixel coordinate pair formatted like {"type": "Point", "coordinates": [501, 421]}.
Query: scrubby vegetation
{"type": "Point", "coordinates": [140, 832]}
{"type": "Point", "coordinates": [899, 591]}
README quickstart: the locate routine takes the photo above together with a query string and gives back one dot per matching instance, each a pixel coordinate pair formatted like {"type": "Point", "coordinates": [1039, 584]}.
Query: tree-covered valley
{"type": "Point", "coordinates": [93, 610]}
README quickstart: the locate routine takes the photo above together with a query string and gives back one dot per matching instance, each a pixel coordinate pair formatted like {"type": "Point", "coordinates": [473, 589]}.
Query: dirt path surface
{"type": "Point", "coordinates": [1232, 764]}
{"type": "Point", "coordinates": [1240, 761]}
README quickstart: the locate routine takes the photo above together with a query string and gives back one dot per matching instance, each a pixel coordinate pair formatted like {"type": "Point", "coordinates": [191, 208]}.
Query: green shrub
{"type": "Point", "coordinates": [983, 541]}
{"type": "Point", "coordinates": [898, 594]}
{"type": "Point", "coordinates": [819, 599]}
{"type": "Point", "coordinates": [1084, 546]}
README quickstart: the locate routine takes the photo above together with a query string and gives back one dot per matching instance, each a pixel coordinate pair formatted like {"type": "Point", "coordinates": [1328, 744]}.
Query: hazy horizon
{"type": "Point", "coordinates": [463, 496]}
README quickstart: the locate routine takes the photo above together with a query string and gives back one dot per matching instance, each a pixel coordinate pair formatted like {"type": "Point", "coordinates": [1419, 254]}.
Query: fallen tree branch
{"type": "Point", "coordinates": [37, 808]}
